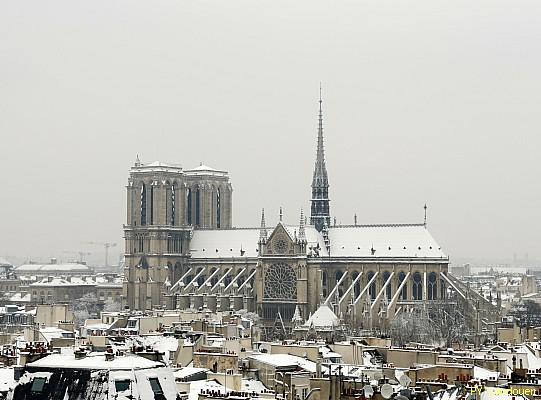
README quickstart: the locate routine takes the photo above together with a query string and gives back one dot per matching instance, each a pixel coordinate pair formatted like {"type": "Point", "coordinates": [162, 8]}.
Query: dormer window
{"type": "Point", "coordinates": [38, 384]}
{"type": "Point", "coordinates": [156, 387]}
{"type": "Point", "coordinates": [122, 385]}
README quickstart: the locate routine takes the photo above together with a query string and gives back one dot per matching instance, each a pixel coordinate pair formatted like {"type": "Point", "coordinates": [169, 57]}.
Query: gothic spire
{"type": "Point", "coordinates": [263, 229]}
{"type": "Point", "coordinates": [302, 234]}
{"type": "Point", "coordinates": [320, 212]}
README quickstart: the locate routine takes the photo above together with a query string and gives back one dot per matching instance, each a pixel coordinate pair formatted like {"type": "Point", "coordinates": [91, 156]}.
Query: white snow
{"type": "Point", "coordinates": [285, 360]}
{"type": "Point", "coordinates": [95, 361]}
{"type": "Point", "coordinates": [409, 241]}
{"type": "Point", "coordinates": [6, 379]}
{"type": "Point", "coordinates": [323, 318]}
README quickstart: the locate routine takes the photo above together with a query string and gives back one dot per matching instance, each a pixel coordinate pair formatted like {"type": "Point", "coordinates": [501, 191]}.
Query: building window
{"type": "Point", "coordinates": [404, 292]}
{"type": "Point", "coordinates": [122, 385]}
{"type": "Point", "coordinates": [173, 205]}
{"type": "Point", "coordinates": [151, 205]}
{"type": "Point", "coordinates": [388, 291]}
{"type": "Point", "coordinates": [197, 207]}
{"type": "Point", "coordinates": [417, 291]}
{"type": "Point", "coordinates": [38, 384]}
{"type": "Point", "coordinates": [155, 385]}
{"type": "Point", "coordinates": [143, 204]}
{"type": "Point", "coordinates": [218, 210]}
{"type": "Point", "coordinates": [189, 205]}
{"type": "Point", "coordinates": [432, 286]}
{"type": "Point", "coordinates": [372, 288]}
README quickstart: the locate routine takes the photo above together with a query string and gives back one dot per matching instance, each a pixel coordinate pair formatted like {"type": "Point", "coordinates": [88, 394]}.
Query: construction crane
{"type": "Point", "coordinates": [106, 245]}
{"type": "Point", "coordinates": [81, 255]}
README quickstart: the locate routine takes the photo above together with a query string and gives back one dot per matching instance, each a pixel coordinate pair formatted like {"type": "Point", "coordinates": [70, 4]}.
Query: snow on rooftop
{"type": "Point", "coordinates": [253, 385]}
{"type": "Point", "coordinates": [482, 373]}
{"type": "Point", "coordinates": [366, 241]}
{"type": "Point", "coordinates": [57, 281]}
{"type": "Point", "coordinates": [383, 241]}
{"type": "Point", "coordinates": [5, 263]}
{"type": "Point", "coordinates": [7, 380]}
{"type": "Point", "coordinates": [205, 170]}
{"type": "Point", "coordinates": [197, 386]}
{"type": "Point", "coordinates": [324, 317]}
{"type": "Point", "coordinates": [72, 267]}
{"type": "Point", "coordinates": [186, 372]}
{"type": "Point", "coordinates": [95, 361]}
{"type": "Point", "coordinates": [21, 298]}
{"type": "Point", "coordinates": [285, 360]}
{"type": "Point", "coordinates": [222, 243]}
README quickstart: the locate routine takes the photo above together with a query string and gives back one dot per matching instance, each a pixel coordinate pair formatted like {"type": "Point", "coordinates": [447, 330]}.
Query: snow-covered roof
{"type": "Point", "coordinates": [285, 360]}
{"type": "Point", "coordinates": [205, 170]}
{"type": "Point", "coordinates": [140, 387]}
{"type": "Point", "coordinates": [364, 241]}
{"type": "Point", "coordinates": [197, 386]}
{"type": "Point", "coordinates": [51, 332]}
{"type": "Point", "coordinates": [223, 243]}
{"type": "Point", "coordinates": [482, 373]}
{"type": "Point", "coordinates": [57, 281]}
{"type": "Point", "coordinates": [253, 385]}
{"type": "Point", "coordinates": [7, 380]}
{"type": "Point", "coordinates": [5, 263]}
{"type": "Point", "coordinates": [95, 361]}
{"type": "Point", "coordinates": [21, 298]}
{"type": "Point", "coordinates": [384, 241]}
{"type": "Point", "coordinates": [186, 372]}
{"type": "Point", "coordinates": [157, 166]}
{"type": "Point", "coordinates": [68, 267]}
{"type": "Point", "coordinates": [324, 317]}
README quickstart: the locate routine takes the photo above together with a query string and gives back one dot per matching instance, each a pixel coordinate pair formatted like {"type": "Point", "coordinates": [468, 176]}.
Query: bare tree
{"type": "Point", "coordinates": [111, 305]}
{"type": "Point", "coordinates": [84, 308]}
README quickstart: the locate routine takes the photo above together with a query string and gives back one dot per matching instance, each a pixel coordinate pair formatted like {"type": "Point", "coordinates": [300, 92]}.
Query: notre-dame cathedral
{"type": "Point", "coordinates": [182, 251]}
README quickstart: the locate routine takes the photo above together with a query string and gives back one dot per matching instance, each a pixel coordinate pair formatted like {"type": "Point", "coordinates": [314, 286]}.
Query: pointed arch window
{"type": "Point", "coordinates": [372, 288]}
{"type": "Point", "coordinates": [388, 293]}
{"type": "Point", "coordinates": [143, 204]}
{"type": "Point", "coordinates": [417, 290]}
{"type": "Point", "coordinates": [218, 209]}
{"type": "Point", "coordinates": [173, 210]}
{"type": "Point", "coordinates": [432, 286]}
{"type": "Point", "coordinates": [197, 207]}
{"type": "Point", "coordinates": [189, 206]}
{"type": "Point", "coordinates": [404, 292]}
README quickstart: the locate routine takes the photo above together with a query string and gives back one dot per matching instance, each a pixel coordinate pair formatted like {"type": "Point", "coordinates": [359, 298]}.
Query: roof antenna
{"type": "Point", "coordinates": [425, 207]}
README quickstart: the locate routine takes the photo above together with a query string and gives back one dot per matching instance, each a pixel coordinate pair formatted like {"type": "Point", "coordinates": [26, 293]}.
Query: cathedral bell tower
{"type": "Point", "coordinates": [320, 211]}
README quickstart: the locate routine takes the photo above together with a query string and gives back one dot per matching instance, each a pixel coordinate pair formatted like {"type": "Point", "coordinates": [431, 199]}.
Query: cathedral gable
{"type": "Point", "coordinates": [280, 241]}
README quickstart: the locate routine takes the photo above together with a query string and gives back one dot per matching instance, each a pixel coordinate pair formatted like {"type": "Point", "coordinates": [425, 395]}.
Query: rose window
{"type": "Point", "coordinates": [280, 282]}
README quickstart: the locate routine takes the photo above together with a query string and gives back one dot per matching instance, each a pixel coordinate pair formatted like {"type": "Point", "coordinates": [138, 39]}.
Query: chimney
{"type": "Point", "coordinates": [79, 354]}
{"type": "Point", "coordinates": [53, 260]}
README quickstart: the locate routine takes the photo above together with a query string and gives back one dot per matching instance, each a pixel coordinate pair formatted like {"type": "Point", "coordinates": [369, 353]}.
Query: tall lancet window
{"type": "Point", "coordinates": [173, 193]}
{"type": "Point", "coordinates": [143, 204]}
{"type": "Point", "coordinates": [417, 289]}
{"type": "Point", "coordinates": [218, 209]}
{"type": "Point", "coordinates": [197, 207]}
{"type": "Point", "coordinates": [189, 206]}
{"type": "Point", "coordinates": [151, 205]}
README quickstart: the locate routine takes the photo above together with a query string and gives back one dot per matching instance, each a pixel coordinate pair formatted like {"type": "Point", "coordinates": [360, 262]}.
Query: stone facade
{"type": "Point", "coordinates": [164, 204]}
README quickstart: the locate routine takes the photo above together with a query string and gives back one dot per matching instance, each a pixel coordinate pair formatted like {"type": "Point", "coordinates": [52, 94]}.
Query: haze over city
{"type": "Point", "coordinates": [427, 102]}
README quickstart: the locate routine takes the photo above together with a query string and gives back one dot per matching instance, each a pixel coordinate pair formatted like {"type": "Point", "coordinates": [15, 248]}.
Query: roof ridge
{"type": "Point", "coordinates": [375, 225]}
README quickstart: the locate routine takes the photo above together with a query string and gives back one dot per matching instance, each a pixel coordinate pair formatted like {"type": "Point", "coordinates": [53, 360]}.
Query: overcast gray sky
{"type": "Point", "coordinates": [424, 101]}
